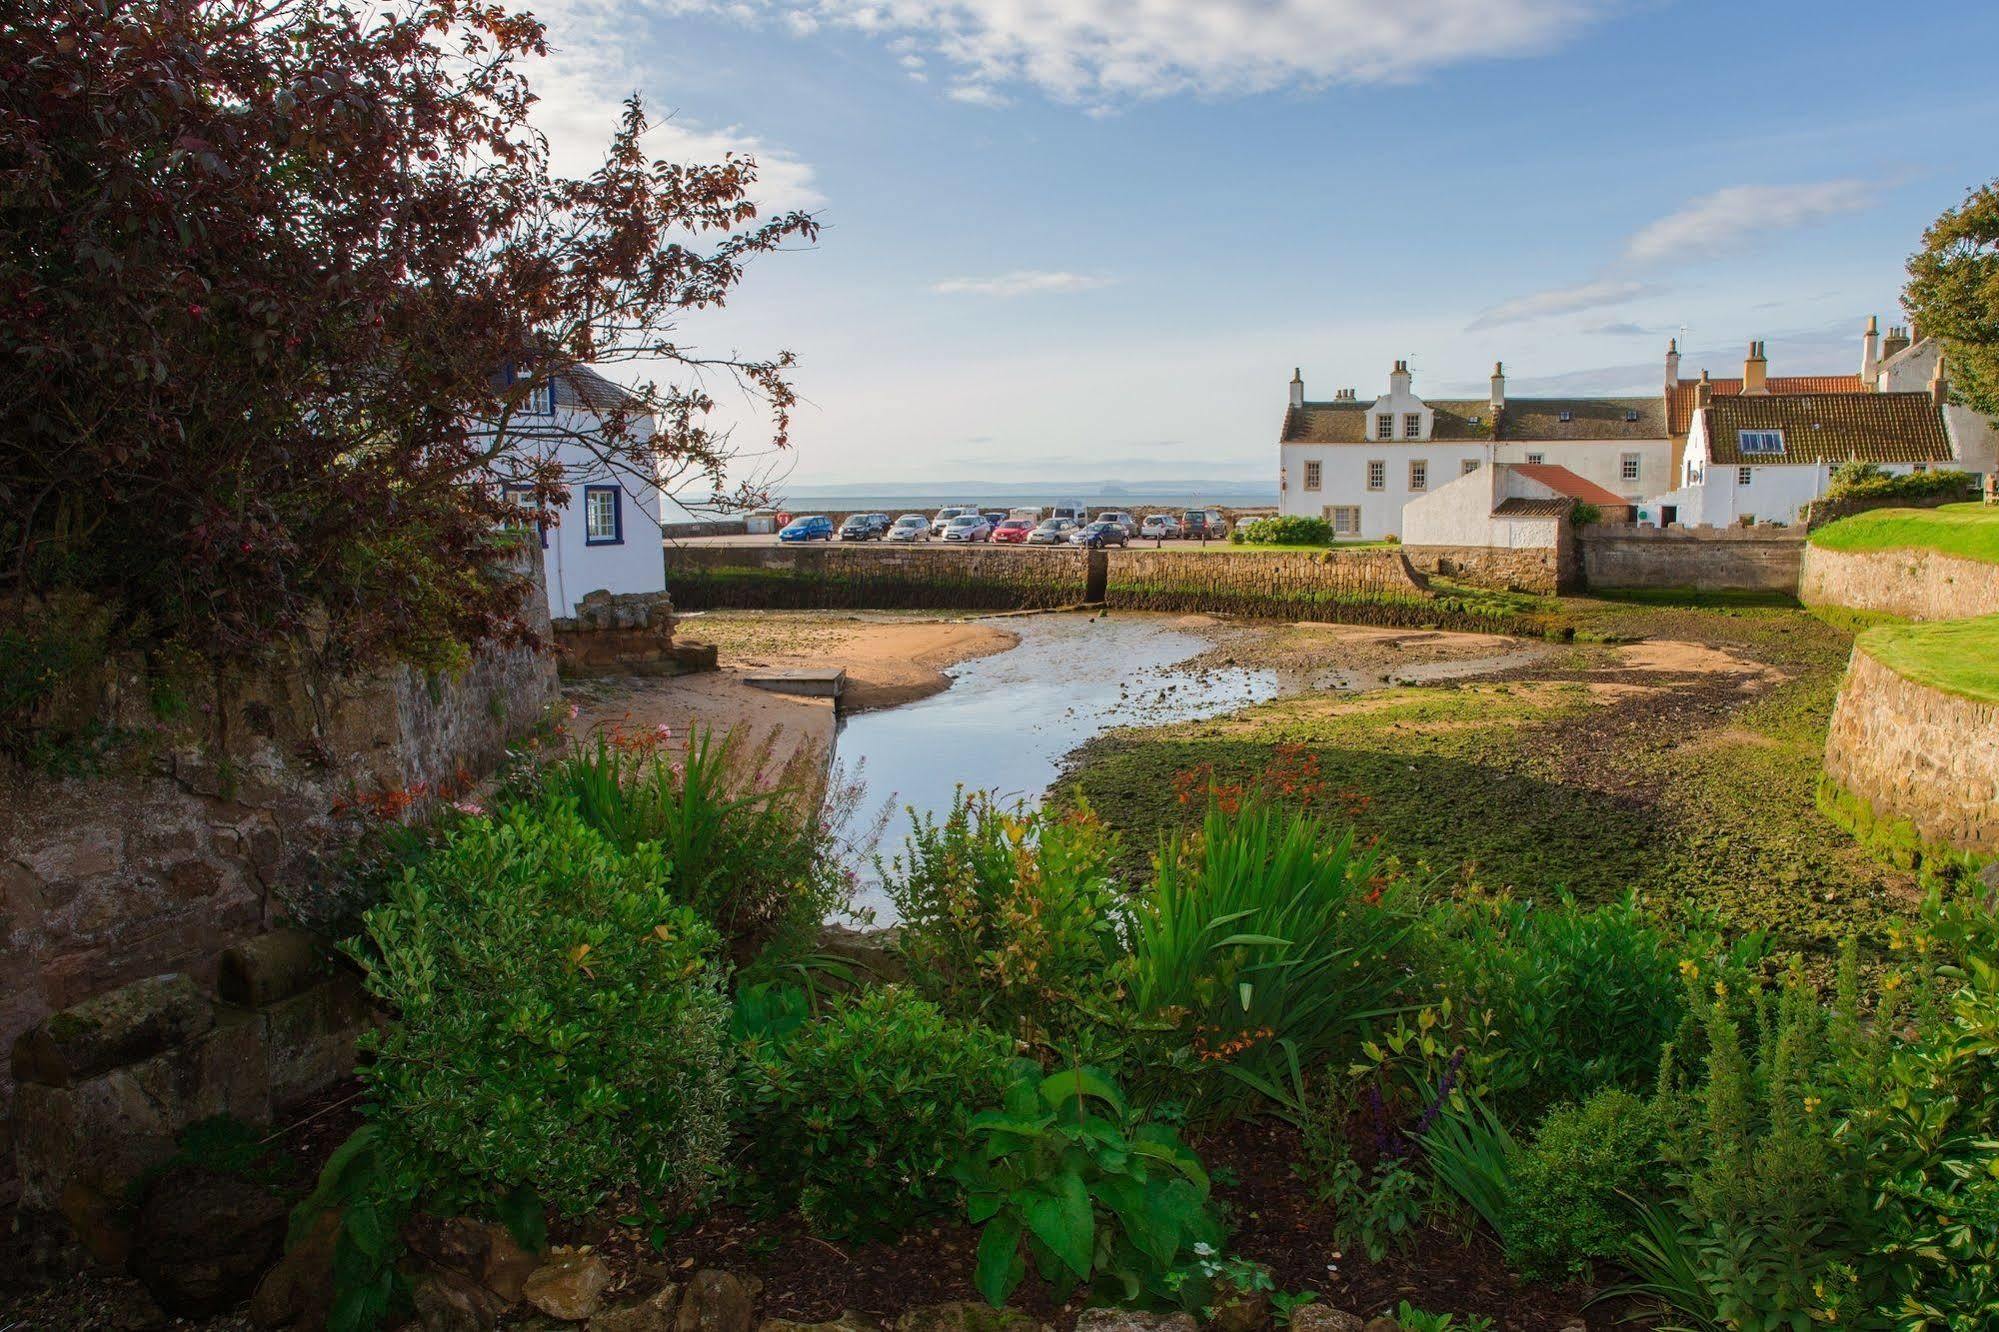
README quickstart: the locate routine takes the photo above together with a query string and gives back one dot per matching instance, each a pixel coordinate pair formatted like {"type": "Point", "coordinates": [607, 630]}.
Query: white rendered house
{"type": "Point", "coordinates": [607, 536]}
{"type": "Point", "coordinates": [1357, 462]}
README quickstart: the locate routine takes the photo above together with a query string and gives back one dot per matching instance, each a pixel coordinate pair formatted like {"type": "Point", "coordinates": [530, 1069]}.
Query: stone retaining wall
{"type": "Point", "coordinates": [875, 577]}
{"type": "Point", "coordinates": [626, 633]}
{"type": "Point", "coordinates": [1917, 755]}
{"type": "Point", "coordinates": [1705, 559]}
{"type": "Point", "coordinates": [1914, 584]}
{"type": "Point", "coordinates": [106, 1087]}
{"type": "Point", "coordinates": [1374, 585]}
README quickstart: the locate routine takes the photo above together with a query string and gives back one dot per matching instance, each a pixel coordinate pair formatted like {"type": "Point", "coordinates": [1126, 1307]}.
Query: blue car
{"type": "Point", "coordinates": [811, 527]}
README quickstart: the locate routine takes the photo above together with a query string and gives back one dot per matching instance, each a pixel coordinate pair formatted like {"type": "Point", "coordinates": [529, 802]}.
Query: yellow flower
{"type": "Point", "coordinates": [1721, 989]}
{"type": "Point", "coordinates": [1892, 981]}
{"type": "Point", "coordinates": [1811, 1104]}
{"type": "Point", "coordinates": [1690, 968]}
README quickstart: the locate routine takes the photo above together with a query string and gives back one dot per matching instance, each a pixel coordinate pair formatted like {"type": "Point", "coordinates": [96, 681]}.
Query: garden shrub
{"type": "Point", "coordinates": [856, 1117]}
{"type": "Point", "coordinates": [1283, 530]}
{"type": "Point", "coordinates": [558, 1023]}
{"type": "Point", "coordinates": [1067, 1176]}
{"type": "Point", "coordinates": [739, 836]}
{"type": "Point", "coordinates": [1568, 1189]}
{"type": "Point", "coordinates": [1012, 916]}
{"type": "Point", "coordinates": [1858, 479]}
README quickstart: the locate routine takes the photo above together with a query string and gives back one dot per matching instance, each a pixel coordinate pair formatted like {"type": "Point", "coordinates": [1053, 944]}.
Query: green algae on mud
{"type": "Point", "coordinates": [1574, 772]}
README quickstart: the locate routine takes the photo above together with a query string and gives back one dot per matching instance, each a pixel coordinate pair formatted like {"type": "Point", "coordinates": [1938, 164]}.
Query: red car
{"type": "Point", "coordinates": [1013, 530]}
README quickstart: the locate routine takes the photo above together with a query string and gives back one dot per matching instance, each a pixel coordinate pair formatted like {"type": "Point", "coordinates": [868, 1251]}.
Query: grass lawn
{"type": "Point", "coordinates": [1957, 656]}
{"type": "Point", "coordinates": [1576, 774]}
{"type": "Point", "coordinates": [1970, 531]}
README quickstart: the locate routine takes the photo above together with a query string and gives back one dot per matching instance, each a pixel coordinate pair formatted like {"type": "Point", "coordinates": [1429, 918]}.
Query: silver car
{"type": "Point", "coordinates": [1052, 532]}
{"type": "Point", "coordinates": [968, 527]}
{"type": "Point", "coordinates": [1160, 527]}
{"type": "Point", "coordinates": [1122, 519]}
{"type": "Point", "coordinates": [909, 527]}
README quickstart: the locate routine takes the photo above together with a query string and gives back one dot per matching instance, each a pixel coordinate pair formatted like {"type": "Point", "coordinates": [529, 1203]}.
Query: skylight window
{"type": "Point", "coordinates": [1759, 441]}
{"type": "Point", "coordinates": [1568, 415]}
{"type": "Point", "coordinates": [1630, 414]}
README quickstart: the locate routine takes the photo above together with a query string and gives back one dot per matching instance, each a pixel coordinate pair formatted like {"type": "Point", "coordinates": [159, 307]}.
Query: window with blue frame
{"type": "Point", "coordinates": [539, 400]}
{"type": "Point", "coordinates": [1763, 442]}
{"type": "Point", "coordinates": [603, 516]}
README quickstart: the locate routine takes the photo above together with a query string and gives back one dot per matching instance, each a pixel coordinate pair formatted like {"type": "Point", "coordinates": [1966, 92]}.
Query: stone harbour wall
{"type": "Point", "coordinates": [1914, 584]}
{"type": "Point", "coordinates": [1917, 755]}
{"type": "Point", "coordinates": [1373, 585]}
{"type": "Point", "coordinates": [1541, 569]}
{"type": "Point", "coordinates": [1704, 559]}
{"type": "Point", "coordinates": [877, 577]}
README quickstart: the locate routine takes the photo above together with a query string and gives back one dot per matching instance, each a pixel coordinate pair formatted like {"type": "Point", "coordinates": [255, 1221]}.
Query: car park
{"type": "Point", "coordinates": [1012, 531]}
{"type": "Point", "coordinates": [968, 527]}
{"type": "Point", "coordinates": [910, 527]}
{"type": "Point", "coordinates": [864, 527]}
{"type": "Point", "coordinates": [1052, 532]}
{"type": "Point", "coordinates": [1159, 527]}
{"type": "Point", "coordinates": [807, 527]}
{"type": "Point", "coordinates": [1101, 533]}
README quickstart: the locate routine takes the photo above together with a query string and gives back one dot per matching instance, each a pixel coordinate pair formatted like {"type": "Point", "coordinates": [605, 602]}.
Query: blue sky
{"type": "Point", "coordinates": [1090, 239]}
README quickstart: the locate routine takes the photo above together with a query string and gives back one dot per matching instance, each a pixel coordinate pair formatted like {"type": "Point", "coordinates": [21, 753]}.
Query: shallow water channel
{"type": "Point", "coordinates": [1008, 720]}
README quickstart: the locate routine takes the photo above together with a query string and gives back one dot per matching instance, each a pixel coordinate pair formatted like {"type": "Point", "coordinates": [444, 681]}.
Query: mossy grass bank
{"type": "Point", "coordinates": [1968, 531]}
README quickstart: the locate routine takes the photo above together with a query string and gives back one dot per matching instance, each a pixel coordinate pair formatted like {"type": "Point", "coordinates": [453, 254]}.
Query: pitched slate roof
{"type": "Point", "coordinates": [1684, 397]}
{"type": "Point", "coordinates": [1345, 422]}
{"type": "Point", "coordinates": [1565, 482]}
{"type": "Point", "coordinates": [580, 386]}
{"type": "Point", "coordinates": [1832, 427]}
{"type": "Point", "coordinates": [1529, 419]}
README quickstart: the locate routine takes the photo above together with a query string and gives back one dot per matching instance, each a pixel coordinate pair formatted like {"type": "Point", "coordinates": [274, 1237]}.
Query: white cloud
{"type": "Point", "coordinates": [1021, 283]}
{"type": "Point", "coordinates": [584, 81]}
{"type": "Point", "coordinates": [1730, 217]}
{"type": "Point", "coordinates": [1096, 51]}
{"type": "Point", "coordinates": [1560, 300]}
{"type": "Point", "coordinates": [978, 94]}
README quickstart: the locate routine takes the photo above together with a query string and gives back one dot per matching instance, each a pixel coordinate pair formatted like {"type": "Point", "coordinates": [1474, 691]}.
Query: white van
{"type": "Point", "coordinates": [1075, 513]}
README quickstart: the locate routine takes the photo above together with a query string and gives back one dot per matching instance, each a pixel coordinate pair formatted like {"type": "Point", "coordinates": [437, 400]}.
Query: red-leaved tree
{"type": "Point", "coordinates": [274, 276]}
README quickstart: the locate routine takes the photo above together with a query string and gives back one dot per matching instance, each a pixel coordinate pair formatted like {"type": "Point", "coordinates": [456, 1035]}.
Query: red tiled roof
{"type": "Point", "coordinates": [1682, 397]}
{"type": "Point", "coordinates": [1564, 482]}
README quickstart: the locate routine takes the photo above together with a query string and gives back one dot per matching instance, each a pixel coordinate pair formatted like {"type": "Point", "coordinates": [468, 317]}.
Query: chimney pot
{"type": "Point", "coordinates": [1755, 370]}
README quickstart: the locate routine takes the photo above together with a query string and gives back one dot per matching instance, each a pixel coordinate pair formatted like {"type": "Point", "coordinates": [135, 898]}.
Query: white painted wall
{"type": "Point", "coordinates": [1461, 513]}
{"type": "Point", "coordinates": [1714, 494]}
{"type": "Point", "coordinates": [577, 566]}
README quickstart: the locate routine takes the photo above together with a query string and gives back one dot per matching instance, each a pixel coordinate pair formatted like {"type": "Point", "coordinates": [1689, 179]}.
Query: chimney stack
{"type": "Point", "coordinates": [1939, 390]}
{"type": "Point", "coordinates": [1672, 363]}
{"type": "Point", "coordinates": [1704, 391]}
{"type": "Point", "coordinates": [1897, 341]}
{"type": "Point", "coordinates": [1398, 380]}
{"type": "Point", "coordinates": [1870, 354]}
{"type": "Point", "coordinates": [1298, 387]}
{"type": "Point", "coordinates": [1755, 371]}
{"type": "Point", "coordinates": [1498, 388]}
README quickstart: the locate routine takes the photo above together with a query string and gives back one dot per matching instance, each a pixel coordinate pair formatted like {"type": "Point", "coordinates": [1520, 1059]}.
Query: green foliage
{"type": "Point", "coordinates": [1859, 479]}
{"type": "Point", "coordinates": [739, 835]}
{"type": "Point", "coordinates": [1470, 1154]}
{"type": "Point", "coordinates": [1283, 530]}
{"type": "Point", "coordinates": [1267, 939]}
{"type": "Point", "coordinates": [1571, 1191]}
{"type": "Point", "coordinates": [1012, 916]}
{"type": "Point", "coordinates": [558, 1022]}
{"type": "Point", "coordinates": [1412, 1319]}
{"type": "Point", "coordinates": [1066, 1176]}
{"type": "Point", "coordinates": [1582, 515]}
{"type": "Point", "coordinates": [1953, 295]}
{"type": "Point", "coordinates": [372, 1190]}
{"type": "Point", "coordinates": [857, 1116]}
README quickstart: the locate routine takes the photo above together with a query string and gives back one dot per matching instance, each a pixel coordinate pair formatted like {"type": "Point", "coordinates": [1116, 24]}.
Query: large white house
{"type": "Point", "coordinates": [1356, 462]}
{"type": "Point", "coordinates": [607, 536]}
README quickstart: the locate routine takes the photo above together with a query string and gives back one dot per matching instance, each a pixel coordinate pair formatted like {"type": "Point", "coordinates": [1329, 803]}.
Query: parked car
{"type": "Point", "coordinates": [1159, 527]}
{"type": "Point", "coordinates": [864, 527]}
{"type": "Point", "coordinates": [1218, 526]}
{"type": "Point", "coordinates": [1194, 525]}
{"type": "Point", "coordinates": [995, 516]}
{"type": "Point", "coordinates": [1121, 518]}
{"type": "Point", "coordinates": [1052, 532]}
{"type": "Point", "coordinates": [910, 527]}
{"type": "Point", "coordinates": [1033, 515]}
{"type": "Point", "coordinates": [807, 527]}
{"type": "Point", "coordinates": [1101, 533]}
{"type": "Point", "coordinates": [944, 517]}
{"type": "Point", "coordinates": [1075, 513]}
{"type": "Point", "coordinates": [969, 527]}
{"type": "Point", "coordinates": [1012, 531]}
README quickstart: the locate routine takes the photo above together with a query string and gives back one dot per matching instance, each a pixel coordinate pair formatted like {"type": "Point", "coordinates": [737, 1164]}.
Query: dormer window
{"type": "Point", "coordinates": [1384, 425]}
{"type": "Point", "coordinates": [540, 400]}
{"type": "Point", "coordinates": [1630, 414]}
{"type": "Point", "coordinates": [1762, 442]}
{"type": "Point", "coordinates": [1412, 425]}
{"type": "Point", "coordinates": [1568, 415]}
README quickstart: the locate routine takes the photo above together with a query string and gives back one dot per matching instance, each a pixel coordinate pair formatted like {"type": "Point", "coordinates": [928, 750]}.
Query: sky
{"type": "Point", "coordinates": [1091, 239]}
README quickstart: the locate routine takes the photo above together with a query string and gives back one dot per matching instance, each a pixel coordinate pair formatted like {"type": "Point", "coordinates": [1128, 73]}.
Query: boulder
{"type": "Point", "coordinates": [964, 1316]}
{"type": "Point", "coordinates": [202, 1238]}
{"type": "Point", "coordinates": [447, 1301]}
{"type": "Point", "coordinates": [1325, 1318]}
{"type": "Point", "coordinates": [1133, 1320]}
{"type": "Point", "coordinates": [298, 1290]}
{"type": "Point", "coordinates": [1245, 1311]}
{"type": "Point", "coordinates": [569, 1285]}
{"type": "Point", "coordinates": [1383, 1323]}
{"type": "Point", "coordinates": [873, 955]}
{"type": "Point", "coordinates": [270, 967]}
{"type": "Point", "coordinates": [718, 1302]}
{"type": "Point", "coordinates": [485, 1251]}
{"type": "Point", "coordinates": [654, 1313]}
{"type": "Point", "coordinates": [119, 1027]}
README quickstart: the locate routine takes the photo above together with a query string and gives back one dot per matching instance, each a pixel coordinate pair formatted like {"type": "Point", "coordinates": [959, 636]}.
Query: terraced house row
{"type": "Point", "coordinates": [1701, 451]}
